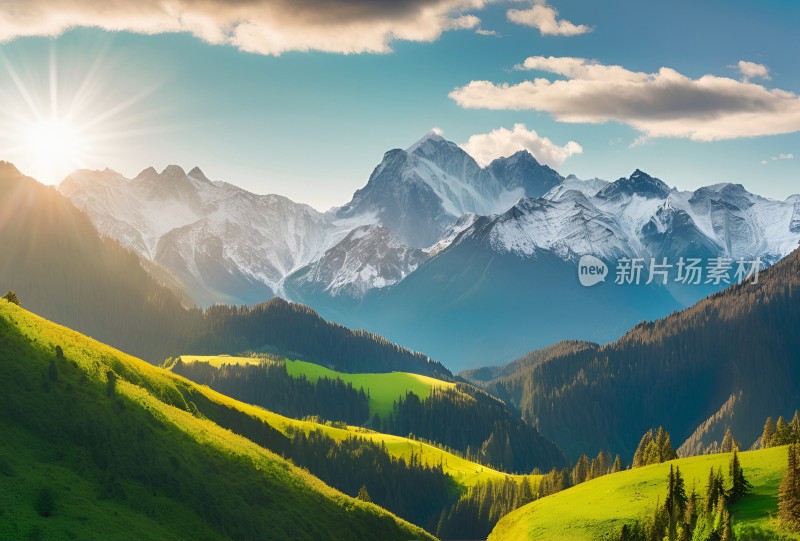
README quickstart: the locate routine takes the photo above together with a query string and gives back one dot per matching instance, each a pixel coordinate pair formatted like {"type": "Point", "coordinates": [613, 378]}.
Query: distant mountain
{"type": "Point", "coordinates": [225, 244]}
{"type": "Point", "coordinates": [420, 192]}
{"type": "Point", "coordinates": [433, 250]}
{"type": "Point", "coordinates": [56, 262]}
{"type": "Point", "coordinates": [727, 362]}
{"type": "Point", "coordinates": [368, 258]}
{"type": "Point", "coordinates": [499, 285]}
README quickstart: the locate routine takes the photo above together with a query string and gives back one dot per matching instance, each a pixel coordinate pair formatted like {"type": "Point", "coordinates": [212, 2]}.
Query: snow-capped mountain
{"type": "Point", "coordinates": [497, 286]}
{"type": "Point", "coordinates": [368, 258]}
{"type": "Point", "coordinates": [224, 243]}
{"type": "Point", "coordinates": [471, 265]}
{"type": "Point", "coordinates": [420, 192]}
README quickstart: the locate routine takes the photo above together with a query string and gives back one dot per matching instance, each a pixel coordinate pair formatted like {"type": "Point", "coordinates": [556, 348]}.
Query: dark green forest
{"type": "Point", "coordinates": [677, 371]}
{"type": "Point", "coordinates": [269, 385]}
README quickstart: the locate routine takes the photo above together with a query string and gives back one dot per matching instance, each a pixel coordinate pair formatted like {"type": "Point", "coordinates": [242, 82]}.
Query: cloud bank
{"type": "Point", "coordinates": [268, 27]}
{"type": "Point", "coordinates": [545, 19]}
{"type": "Point", "coordinates": [661, 104]}
{"type": "Point", "coordinates": [485, 147]}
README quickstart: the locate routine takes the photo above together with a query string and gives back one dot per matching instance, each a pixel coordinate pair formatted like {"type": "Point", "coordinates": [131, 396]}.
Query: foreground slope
{"type": "Point", "coordinates": [100, 445]}
{"type": "Point", "coordinates": [677, 372]}
{"type": "Point", "coordinates": [599, 508]}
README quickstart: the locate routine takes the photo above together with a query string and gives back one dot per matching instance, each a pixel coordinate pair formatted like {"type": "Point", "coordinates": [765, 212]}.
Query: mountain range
{"type": "Point", "coordinates": [469, 264]}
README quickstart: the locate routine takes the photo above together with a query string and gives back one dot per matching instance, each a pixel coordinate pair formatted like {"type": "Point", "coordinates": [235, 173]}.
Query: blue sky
{"type": "Point", "coordinates": [312, 125]}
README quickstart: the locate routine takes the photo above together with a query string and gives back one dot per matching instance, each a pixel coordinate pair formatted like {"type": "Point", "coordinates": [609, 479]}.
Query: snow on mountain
{"type": "Point", "coordinates": [450, 235]}
{"type": "Point", "coordinates": [229, 245]}
{"type": "Point", "coordinates": [420, 192]}
{"type": "Point", "coordinates": [226, 243]}
{"type": "Point", "coordinates": [368, 258]}
{"type": "Point", "coordinates": [640, 216]}
{"type": "Point", "coordinates": [569, 226]}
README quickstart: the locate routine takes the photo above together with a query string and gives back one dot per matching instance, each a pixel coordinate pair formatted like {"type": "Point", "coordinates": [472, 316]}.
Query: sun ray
{"type": "Point", "coordinates": [66, 117]}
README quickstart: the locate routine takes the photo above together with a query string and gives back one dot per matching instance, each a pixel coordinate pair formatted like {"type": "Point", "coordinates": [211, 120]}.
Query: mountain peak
{"type": "Point", "coordinates": [9, 169]}
{"type": "Point", "coordinates": [173, 171]}
{"type": "Point", "coordinates": [433, 135]}
{"type": "Point", "coordinates": [147, 172]}
{"type": "Point", "coordinates": [197, 173]}
{"type": "Point", "coordinates": [639, 183]}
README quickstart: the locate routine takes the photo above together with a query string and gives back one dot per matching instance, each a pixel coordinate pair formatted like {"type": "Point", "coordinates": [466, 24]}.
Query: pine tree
{"type": "Point", "coordinates": [782, 432]}
{"type": "Point", "coordinates": [727, 442]}
{"type": "Point", "coordinates": [768, 434]}
{"type": "Point", "coordinates": [617, 465]}
{"type": "Point", "coordinates": [789, 495]}
{"type": "Point", "coordinates": [580, 472]}
{"type": "Point", "coordinates": [740, 485]}
{"type": "Point", "coordinates": [679, 495]}
{"type": "Point", "coordinates": [363, 495]}
{"type": "Point", "coordinates": [638, 456]}
{"type": "Point", "coordinates": [727, 531]}
{"type": "Point", "coordinates": [12, 297]}
{"type": "Point", "coordinates": [794, 428]}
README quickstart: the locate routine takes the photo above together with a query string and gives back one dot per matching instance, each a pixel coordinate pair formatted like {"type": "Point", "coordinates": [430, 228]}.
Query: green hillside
{"type": "Point", "coordinates": [597, 509]}
{"type": "Point", "coordinates": [383, 389]}
{"type": "Point", "coordinates": [99, 445]}
{"type": "Point", "coordinates": [465, 472]}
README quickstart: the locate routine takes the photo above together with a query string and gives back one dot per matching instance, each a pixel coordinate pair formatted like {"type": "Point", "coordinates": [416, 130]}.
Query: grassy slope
{"type": "Point", "coordinates": [465, 472]}
{"type": "Point", "coordinates": [595, 509]}
{"type": "Point", "coordinates": [220, 485]}
{"type": "Point", "coordinates": [383, 389]}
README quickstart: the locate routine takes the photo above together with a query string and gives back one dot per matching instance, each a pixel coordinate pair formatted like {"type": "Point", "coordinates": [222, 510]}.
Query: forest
{"type": "Point", "coordinates": [677, 371]}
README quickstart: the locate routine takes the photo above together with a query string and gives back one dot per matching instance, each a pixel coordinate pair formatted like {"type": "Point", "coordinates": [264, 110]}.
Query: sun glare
{"type": "Point", "coordinates": [56, 119]}
{"type": "Point", "coordinates": [55, 147]}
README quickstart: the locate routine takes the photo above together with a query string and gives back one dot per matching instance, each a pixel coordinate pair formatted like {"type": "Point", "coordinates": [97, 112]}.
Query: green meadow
{"type": "Point", "coordinates": [598, 508]}
{"type": "Point", "coordinates": [97, 444]}
{"type": "Point", "coordinates": [383, 389]}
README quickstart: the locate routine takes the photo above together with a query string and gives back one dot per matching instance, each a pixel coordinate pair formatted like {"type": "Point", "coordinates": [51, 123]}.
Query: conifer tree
{"type": "Point", "coordinates": [11, 297]}
{"type": "Point", "coordinates": [740, 485]}
{"type": "Point", "coordinates": [794, 427]}
{"type": "Point", "coordinates": [617, 465]}
{"type": "Point", "coordinates": [768, 434]}
{"type": "Point", "coordinates": [782, 432]}
{"type": "Point", "coordinates": [363, 495]}
{"type": "Point", "coordinates": [789, 495]}
{"type": "Point", "coordinates": [728, 443]}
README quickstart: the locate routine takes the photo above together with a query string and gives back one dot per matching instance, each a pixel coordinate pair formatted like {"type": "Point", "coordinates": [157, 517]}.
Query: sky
{"type": "Point", "coordinates": [303, 98]}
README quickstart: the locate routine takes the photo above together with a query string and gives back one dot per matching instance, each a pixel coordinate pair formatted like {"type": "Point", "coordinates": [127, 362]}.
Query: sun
{"type": "Point", "coordinates": [57, 118]}
{"type": "Point", "coordinates": [54, 146]}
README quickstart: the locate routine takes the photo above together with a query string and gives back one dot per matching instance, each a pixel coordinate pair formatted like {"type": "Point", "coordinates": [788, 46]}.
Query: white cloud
{"type": "Point", "coordinates": [545, 19]}
{"type": "Point", "coordinates": [484, 32]}
{"type": "Point", "coordinates": [780, 156]}
{"type": "Point", "coordinates": [661, 104]}
{"type": "Point", "coordinates": [485, 147]}
{"type": "Point", "coordinates": [751, 70]}
{"type": "Point", "coordinates": [257, 26]}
